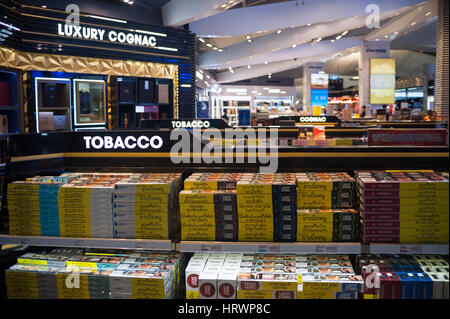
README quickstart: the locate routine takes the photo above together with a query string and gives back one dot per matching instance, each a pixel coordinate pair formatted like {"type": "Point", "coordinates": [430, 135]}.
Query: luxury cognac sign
{"type": "Point", "coordinates": [131, 38]}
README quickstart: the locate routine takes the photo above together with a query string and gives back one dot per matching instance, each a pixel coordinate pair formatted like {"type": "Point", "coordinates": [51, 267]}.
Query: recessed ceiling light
{"type": "Point", "coordinates": [249, 40]}
{"type": "Point", "coordinates": [209, 45]}
{"type": "Point", "coordinates": [220, 50]}
{"type": "Point", "coordinates": [319, 39]}
{"type": "Point", "coordinates": [278, 31]}
{"type": "Point", "coordinates": [248, 36]}
{"type": "Point", "coordinates": [44, 7]}
{"type": "Point", "coordinates": [428, 13]}
{"type": "Point", "coordinates": [386, 36]}
{"type": "Point", "coordinates": [223, 5]}
{"type": "Point", "coordinates": [248, 66]}
{"type": "Point", "coordinates": [215, 48]}
{"type": "Point", "coordinates": [338, 37]}
{"type": "Point", "coordinates": [309, 24]}
{"type": "Point", "coordinates": [345, 32]}
{"type": "Point", "coordinates": [294, 45]}
{"type": "Point", "coordinates": [266, 62]}
{"type": "Point", "coordinates": [413, 23]}
{"type": "Point", "coordinates": [201, 40]}
{"type": "Point", "coordinates": [332, 41]}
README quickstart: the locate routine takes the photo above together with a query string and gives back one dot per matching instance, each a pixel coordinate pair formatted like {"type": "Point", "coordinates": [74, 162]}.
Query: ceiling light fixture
{"type": "Point", "coordinates": [332, 41]}
{"type": "Point", "coordinates": [266, 62]}
{"type": "Point", "coordinates": [319, 39]}
{"type": "Point", "coordinates": [201, 40]}
{"type": "Point", "coordinates": [249, 40]}
{"type": "Point", "coordinates": [294, 45]}
{"type": "Point", "coordinates": [215, 48]}
{"type": "Point", "coordinates": [209, 45]}
{"type": "Point", "coordinates": [338, 37]}
{"type": "Point", "coordinates": [413, 23]}
{"type": "Point", "coordinates": [428, 13]}
{"type": "Point", "coordinates": [345, 32]}
{"type": "Point", "coordinates": [278, 31]}
{"type": "Point", "coordinates": [108, 19]}
{"type": "Point", "coordinates": [248, 66]}
{"type": "Point", "coordinates": [308, 24]}
{"type": "Point", "coordinates": [248, 36]}
{"type": "Point", "coordinates": [231, 70]}
{"type": "Point", "coordinates": [220, 50]}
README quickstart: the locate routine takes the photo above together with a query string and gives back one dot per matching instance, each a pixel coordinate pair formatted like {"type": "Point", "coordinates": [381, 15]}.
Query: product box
{"type": "Point", "coordinates": [3, 124]}
{"type": "Point", "coordinates": [227, 283]}
{"type": "Point", "coordinates": [207, 282]}
{"type": "Point", "coordinates": [60, 122]}
{"type": "Point", "coordinates": [46, 122]}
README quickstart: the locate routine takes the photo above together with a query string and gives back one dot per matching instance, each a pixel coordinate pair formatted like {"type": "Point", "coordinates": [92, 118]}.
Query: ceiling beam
{"type": "Point", "coordinates": [265, 69]}
{"type": "Point", "coordinates": [406, 23]}
{"type": "Point", "coordinates": [300, 51]}
{"type": "Point", "coordinates": [287, 38]}
{"type": "Point", "coordinates": [285, 15]}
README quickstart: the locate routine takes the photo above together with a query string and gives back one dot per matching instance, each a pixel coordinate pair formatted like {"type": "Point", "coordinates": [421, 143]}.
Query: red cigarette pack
{"type": "Point", "coordinates": [395, 286]}
{"type": "Point", "coordinates": [382, 224]}
{"type": "Point", "coordinates": [381, 217]}
{"type": "Point", "coordinates": [382, 231]}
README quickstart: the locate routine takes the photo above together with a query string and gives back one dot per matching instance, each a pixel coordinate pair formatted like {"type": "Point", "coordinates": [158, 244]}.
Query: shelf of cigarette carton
{"type": "Point", "coordinates": [105, 243]}
{"type": "Point", "coordinates": [269, 247]}
{"type": "Point", "coordinates": [426, 249]}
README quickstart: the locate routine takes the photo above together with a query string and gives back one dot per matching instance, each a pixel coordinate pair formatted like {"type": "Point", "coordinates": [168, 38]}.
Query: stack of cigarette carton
{"type": "Point", "coordinates": [404, 276]}
{"type": "Point", "coordinates": [327, 277]}
{"type": "Point", "coordinates": [208, 207]}
{"type": "Point", "coordinates": [82, 275]}
{"type": "Point", "coordinates": [325, 190]}
{"type": "Point", "coordinates": [33, 205]}
{"type": "Point", "coordinates": [405, 207]}
{"type": "Point", "coordinates": [327, 225]}
{"type": "Point", "coordinates": [85, 206]}
{"type": "Point", "coordinates": [212, 181]}
{"type": "Point", "coordinates": [213, 276]}
{"type": "Point", "coordinates": [267, 207]}
{"type": "Point", "coordinates": [144, 206]}
{"type": "Point", "coordinates": [264, 276]}
{"type": "Point", "coordinates": [269, 276]}
{"type": "Point", "coordinates": [208, 215]}
{"type": "Point", "coordinates": [193, 270]}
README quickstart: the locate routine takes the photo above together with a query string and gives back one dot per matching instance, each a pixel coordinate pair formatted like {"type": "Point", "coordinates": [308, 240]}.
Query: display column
{"type": "Point", "coordinates": [442, 64]}
{"type": "Point", "coordinates": [369, 49]}
{"type": "Point", "coordinates": [308, 68]}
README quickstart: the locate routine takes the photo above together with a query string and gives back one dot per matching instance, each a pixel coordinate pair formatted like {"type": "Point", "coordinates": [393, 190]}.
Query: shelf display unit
{"type": "Point", "coordinates": [66, 152]}
{"type": "Point", "coordinates": [142, 99]}
{"type": "Point", "coordinates": [232, 105]}
{"type": "Point", "coordinates": [52, 102]}
{"type": "Point", "coordinates": [11, 114]}
{"type": "Point", "coordinates": [89, 103]}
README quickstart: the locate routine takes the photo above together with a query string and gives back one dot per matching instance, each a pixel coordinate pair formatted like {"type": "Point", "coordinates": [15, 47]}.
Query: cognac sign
{"type": "Point", "coordinates": [89, 33]}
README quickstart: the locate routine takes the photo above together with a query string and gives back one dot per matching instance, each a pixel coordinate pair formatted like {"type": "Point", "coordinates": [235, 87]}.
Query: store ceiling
{"type": "Point", "coordinates": [283, 34]}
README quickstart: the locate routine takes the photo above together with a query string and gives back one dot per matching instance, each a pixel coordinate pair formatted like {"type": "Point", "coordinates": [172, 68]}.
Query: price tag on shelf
{"type": "Point", "coordinates": [211, 248]}
{"type": "Point", "coordinates": [79, 243]}
{"type": "Point", "coordinates": [410, 249]}
{"type": "Point", "coordinates": [269, 248]}
{"type": "Point", "coordinates": [139, 245]}
{"type": "Point", "coordinates": [25, 241]}
{"type": "Point", "coordinates": [332, 249]}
